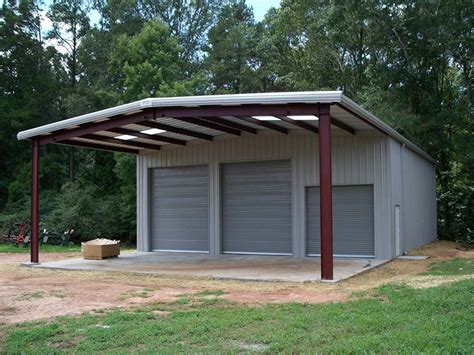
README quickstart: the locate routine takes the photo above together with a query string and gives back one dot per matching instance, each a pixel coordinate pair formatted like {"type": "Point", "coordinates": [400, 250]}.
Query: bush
{"type": "Point", "coordinates": [90, 214]}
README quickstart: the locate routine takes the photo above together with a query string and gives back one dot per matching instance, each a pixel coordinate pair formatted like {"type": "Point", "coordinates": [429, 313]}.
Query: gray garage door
{"type": "Point", "coordinates": [256, 207]}
{"type": "Point", "coordinates": [353, 220]}
{"type": "Point", "coordinates": [180, 208]}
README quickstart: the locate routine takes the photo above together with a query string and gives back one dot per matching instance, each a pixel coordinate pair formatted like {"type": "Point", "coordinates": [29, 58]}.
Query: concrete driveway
{"type": "Point", "coordinates": [237, 267]}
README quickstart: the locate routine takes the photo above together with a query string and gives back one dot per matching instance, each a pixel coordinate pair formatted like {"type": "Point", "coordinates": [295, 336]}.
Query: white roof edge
{"type": "Point", "coordinates": [226, 100]}
{"type": "Point", "coordinates": [377, 122]}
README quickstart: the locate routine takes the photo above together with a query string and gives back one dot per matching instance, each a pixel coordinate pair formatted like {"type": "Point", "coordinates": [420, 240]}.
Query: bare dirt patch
{"type": "Point", "coordinates": [76, 292]}
{"type": "Point", "coordinates": [17, 258]}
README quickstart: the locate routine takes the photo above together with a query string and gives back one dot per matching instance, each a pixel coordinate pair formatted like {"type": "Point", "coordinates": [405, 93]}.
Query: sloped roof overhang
{"type": "Point", "coordinates": [182, 119]}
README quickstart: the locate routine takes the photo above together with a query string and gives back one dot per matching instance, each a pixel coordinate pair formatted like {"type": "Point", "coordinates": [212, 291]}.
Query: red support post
{"type": "Point", "coordinates": [35, 162]}
{"type": "Point", "coordinates": [325, 178]}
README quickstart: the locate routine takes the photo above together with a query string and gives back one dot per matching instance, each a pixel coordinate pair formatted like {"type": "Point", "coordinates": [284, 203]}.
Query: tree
{"type": "Point", "coordinates": [28, 89]}
{"type": "Point", "coordinates": [70, 24]}
{"type": "Point", "coordinates": [146, 65]}
{"type": "Point", "coordinates": [187, 20]}
{"type": "Point", "coordinates": [230, 54]}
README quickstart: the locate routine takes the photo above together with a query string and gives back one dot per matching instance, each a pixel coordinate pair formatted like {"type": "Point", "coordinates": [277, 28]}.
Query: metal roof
{"type": "Point", "coordinates": [344, 110]}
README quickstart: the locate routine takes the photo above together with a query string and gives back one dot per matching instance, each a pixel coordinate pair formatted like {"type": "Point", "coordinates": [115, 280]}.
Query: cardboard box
{"type": "Point", "coordinates": [98, 249]}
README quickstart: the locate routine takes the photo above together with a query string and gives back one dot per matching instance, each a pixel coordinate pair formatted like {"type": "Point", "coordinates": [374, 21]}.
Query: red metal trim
{"type": "Point", "coordinates": [35, 166]}
{"type": "Point", "coordinates": [325, 195]}
{"type": "Point", "coordinates": [300, 124]}
{"type": "Point", "coordinates": [202, 122]}
{"type": "Point", "coordinates": [231, 124]}
{"type": "Point", "coordinates": [157, 138]}
{"type": "Point", "coordinates": [265, 124]}
{"type": "Point", "coordinates": [107, 148]}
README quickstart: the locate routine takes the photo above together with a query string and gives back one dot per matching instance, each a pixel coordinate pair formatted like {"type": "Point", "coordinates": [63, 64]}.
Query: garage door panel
{"type": "Point", "coordinates": [256, 207]}
{"type": "Point", "coordinates": [353, 220]}
{"type": "Point", "coordinates": [180, 208]}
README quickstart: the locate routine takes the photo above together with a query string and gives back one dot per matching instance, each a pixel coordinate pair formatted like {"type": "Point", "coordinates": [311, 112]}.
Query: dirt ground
{"type": "Point", "coordinates": [32, 294]}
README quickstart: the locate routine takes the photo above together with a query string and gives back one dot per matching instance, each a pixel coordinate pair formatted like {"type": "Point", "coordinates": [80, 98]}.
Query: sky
{"type": "Point", "coordinates": [260, 7]}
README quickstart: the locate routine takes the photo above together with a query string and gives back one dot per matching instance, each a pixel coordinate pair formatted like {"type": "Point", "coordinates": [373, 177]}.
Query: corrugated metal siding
{"type": "Point", "coordinates": [360, 159]}
{"type": "Point", "coordinates": [419, 201]}
{"type": "Point", "coordinates": [256, 207]}
{"type": "Point", "coordinates": [353, 216]}
{"type": "Point", "coordinates": [179, 208]}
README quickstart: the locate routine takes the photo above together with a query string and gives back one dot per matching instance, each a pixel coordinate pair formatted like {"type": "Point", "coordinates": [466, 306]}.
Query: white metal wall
{"type": "Point", "coordinates": [413, 188]}
{"type": "Point", "coordinates": [360, 159]}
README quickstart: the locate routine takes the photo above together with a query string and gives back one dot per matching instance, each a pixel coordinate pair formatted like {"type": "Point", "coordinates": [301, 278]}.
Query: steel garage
{"type": "Point", "coordinates": [301, 174]}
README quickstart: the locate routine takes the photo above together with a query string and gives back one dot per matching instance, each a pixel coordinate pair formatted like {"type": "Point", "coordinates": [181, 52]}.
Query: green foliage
{"type": "Point", "coordinates": [146, 64]}
{"type": "Point", "coordinates": [9, 248]}
{"type": "Point", "coordinates": [70, 23]}
{"type": "Point", "coordinates": [409, 62]}
{"type": "Point", "coordinates": [396, 319]}
{"type": "Point", "coordinates": [94, 212]}
{"type": "Point", "coordinates": [231, 52]}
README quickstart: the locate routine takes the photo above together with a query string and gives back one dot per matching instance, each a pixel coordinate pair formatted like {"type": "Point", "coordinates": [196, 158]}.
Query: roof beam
{"type": "Point", "coordinates": [231, 124]}
{"type": "Point", "coordinates": [202, 122]}
{"type": "Point", "coordinates": [300, 124]}
{"type": "Point", "coordinates": [342, 126]}
{"type": "Point", "coordinates": [90, 145]}
{"type": "Point", "coordinates": [96, 137]}
{"type": "Point", "coordinates": [182, 131]}
{"type": "Point", "coordinates": [180, 112]}
{"type": "Point", "coordinates": [241, 110]}
{"type": "Point", "coordinates": [361, 118]}
{"type": "Point", "coordinates": [265, 124]}
{"type": "Point", "coordinates": [93, 127]}
{"type": "Point", "coordinates": [157, 138]}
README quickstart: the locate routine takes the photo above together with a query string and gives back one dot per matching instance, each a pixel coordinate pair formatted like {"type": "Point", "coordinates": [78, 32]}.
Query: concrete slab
{"type": "Point", "coordinates": [237, 267]}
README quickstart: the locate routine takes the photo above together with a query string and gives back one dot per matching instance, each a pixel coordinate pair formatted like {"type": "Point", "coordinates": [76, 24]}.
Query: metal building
{"type": "Point", "coordinates": [302, 174]}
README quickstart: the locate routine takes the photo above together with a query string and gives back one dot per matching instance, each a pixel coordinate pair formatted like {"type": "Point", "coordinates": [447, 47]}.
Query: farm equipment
{"type": "Point", "coordinates": [18, 234]}
{"type": "Point", "coordinates": [51, 238]}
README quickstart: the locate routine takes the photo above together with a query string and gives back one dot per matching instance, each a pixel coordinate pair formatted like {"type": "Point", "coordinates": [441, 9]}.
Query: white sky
{"type": "Point", "coordinates": [260, 7]}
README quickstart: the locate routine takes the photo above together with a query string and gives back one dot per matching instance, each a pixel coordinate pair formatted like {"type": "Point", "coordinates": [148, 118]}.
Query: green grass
{"type": "Point", "coordinates": [396, 319]}
{"type": "Point", "coordinates": [9, 248]}
{"type": "Point", "coordinates": [75, 248]}
{"type": "Point", "coordinates": [457, 266]}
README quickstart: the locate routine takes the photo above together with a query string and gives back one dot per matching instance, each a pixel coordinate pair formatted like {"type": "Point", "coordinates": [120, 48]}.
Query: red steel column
{"type": "Point", "coordinates": [35, 161]}
{"type": "Point", "coordinates": [325, 181]}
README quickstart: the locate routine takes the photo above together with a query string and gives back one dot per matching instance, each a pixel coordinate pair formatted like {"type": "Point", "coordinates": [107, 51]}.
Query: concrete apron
{"type": "Point", "coordinates": [235, 267]}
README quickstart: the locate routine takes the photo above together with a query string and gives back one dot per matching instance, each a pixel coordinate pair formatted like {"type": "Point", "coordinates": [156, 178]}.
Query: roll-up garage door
{"type": "Point", "coordinates": [353, 220]}
{"type": "Point", "coordinates": [256, 207]}
{"type": "Point", "coordinates": [180, 208]}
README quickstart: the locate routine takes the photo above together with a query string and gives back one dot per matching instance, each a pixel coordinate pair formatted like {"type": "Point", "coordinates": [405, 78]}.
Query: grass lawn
{"type": "Point", "coordinates": [9, 248]}
{"type": "Point", "coordinates": [75, 248]}
{"type": "Point", "coordinates": [392, 319]}
{"type": "Point", "coordinates": [457, 266]}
